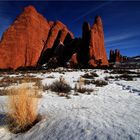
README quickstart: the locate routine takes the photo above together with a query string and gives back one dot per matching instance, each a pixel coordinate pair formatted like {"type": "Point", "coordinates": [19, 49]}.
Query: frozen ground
{"type": "Point", "coordinates": [111, 112]}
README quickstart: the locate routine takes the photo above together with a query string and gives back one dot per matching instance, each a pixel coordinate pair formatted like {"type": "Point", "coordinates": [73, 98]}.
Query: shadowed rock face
{"type": "Point", "coordinates": [33, 41]}
{"type": "Point", "coordinates": [57, 34]}
{"type": "Point", "coordinates": [112, 56]}
{"type": "Point", "coordinates": [83, 52]}
{"type": "Point", "coordinates": [92, 51]}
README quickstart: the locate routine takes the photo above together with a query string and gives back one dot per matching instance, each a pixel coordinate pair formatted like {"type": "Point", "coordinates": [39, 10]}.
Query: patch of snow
{"type": "Point", "coordinates": [109, 113]}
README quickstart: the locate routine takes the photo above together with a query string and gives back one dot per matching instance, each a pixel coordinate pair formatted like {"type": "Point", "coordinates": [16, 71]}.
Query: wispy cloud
{"type": "Point", "coordinates": [121, 37]}
{"type": "Point", "coordinates": [124, 42]}
{"type": "Point", "coordinates": [92, 10]}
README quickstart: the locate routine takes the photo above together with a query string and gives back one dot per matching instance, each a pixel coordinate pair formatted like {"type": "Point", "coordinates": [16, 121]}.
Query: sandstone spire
{"type": "Point", "coordinates": [97, 52]}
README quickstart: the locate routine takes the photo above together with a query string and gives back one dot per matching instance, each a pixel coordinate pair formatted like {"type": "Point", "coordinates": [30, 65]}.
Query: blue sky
{"type": "Point", "coordinates": [121, 19]}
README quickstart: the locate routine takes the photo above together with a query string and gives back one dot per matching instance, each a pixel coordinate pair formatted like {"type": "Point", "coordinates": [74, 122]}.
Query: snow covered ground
{"type": "Point", "coordinates": [111, 112]}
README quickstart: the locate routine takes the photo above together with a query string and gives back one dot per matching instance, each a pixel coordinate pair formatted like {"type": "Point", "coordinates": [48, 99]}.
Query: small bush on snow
{"type": "Point", "coordinates": [60, 86]}
{"type": "Point", "coordinates": [81, 89]}
{"type": "Point", "coordinates": [100, 83]}
{"type": "Point", "coordinates": [87, 75]}
{"type": "Point", "coordinates": [126, 77]}
{"type": "Point", "coordinates": [94, 74]}
{"type": "Point", "coordinates": [46, 87]}
{"type": "Point", "coordinates": [90, 75]}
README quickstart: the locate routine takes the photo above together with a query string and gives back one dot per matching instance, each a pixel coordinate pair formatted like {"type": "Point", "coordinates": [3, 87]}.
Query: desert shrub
{"type": "Point", "coordinates": [38, 83]}
{"type": "Point", "coordinates": [87, 82]}
{"type": "Point", "coordinates": [80, 89]}
{"type": "Point", "coordinates": [46, 87]}
{"type": "Point", "coordinates": [28, 79]}
{"type": "Point", "coordinates": [94, 74]}
{"type": "Point", "coordinates": [64, 95]}
{"type": "Point", "coordinates": [51, 77]}
{"type": "Point", "coordinates": [137, 76]}
{"type": "Point", "coordinates": [7, 81]}
{"type": "Point", "coordinates": [126, 77]}
{"type": "Point", "coordinates": [123, 71]}
{"type": "Point", "coordinates": [106, 78]}
{"type": "Point", "coordinates": [100, 83]}
{"type": "Point", "coordinates": [109, 77]}
{"type": "Point", "coordinates": [84, 89]}
{"type": "Point", "coordinates": [76, 94]}
{"type": "Point", "coordinates": [106, 71]}
{"type": "Point", "coordinates": [60, 86]}
{"type": "Point", "coordinates": [22, 110]}
{"type": "Point", "coordinates": [88, 76]}
{"type": "Point", "coordinates": [3, 92]}
{"type": "Point", "coordinates": [8, 92]}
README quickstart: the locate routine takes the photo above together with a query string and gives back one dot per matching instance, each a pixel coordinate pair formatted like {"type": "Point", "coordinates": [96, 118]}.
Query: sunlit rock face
{"type": "Point", "coordinates": [28, 37]}
{"type": "Point", "coordinates": [32, 41]}
{"type": "Point", "coordinates": [97, 52]}
{"type": "Point", "coordinates": [23, 41]}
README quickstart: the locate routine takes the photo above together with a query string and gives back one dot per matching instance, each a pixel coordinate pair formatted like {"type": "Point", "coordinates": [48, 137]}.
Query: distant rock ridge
{"type": "Point", "coordinates": [116, 57]}
{"type": "Point", "coordinates": [32, 41]}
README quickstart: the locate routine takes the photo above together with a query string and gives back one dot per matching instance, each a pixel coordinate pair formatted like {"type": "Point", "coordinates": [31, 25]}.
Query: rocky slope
{"type": "Point", "coordinates": [32, 41]}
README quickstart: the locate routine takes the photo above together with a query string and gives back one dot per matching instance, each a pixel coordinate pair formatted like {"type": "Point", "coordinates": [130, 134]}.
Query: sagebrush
{"type": "Point", "coordinates": [60, 86]}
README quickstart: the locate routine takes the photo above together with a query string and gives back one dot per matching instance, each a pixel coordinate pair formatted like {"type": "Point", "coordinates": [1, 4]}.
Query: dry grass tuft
{"type": "Point", "coordinates": [22, 109]}
{"type": "Point", "coordinates": [79, 88]}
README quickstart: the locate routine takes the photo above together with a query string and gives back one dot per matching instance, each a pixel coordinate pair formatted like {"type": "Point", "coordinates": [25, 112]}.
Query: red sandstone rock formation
{"type": "Point", "coordinates": [24, 41]}
{"type": "Point", "coordinates": [58, 29]}
{"type": "Point", "coordinates": [92, 51]}
{"type": "Point", "coordinates": [97, 52]}
{"type": "Point", "coordinates": [73, 59]}
{"type": "Point", "coordinates": [116, 57]}
{"type": "Point", "coordinates": [32, 40]}
{"type": "Point", "coordinates": [58, 33]}
{"type": "Point", "coordinates": [81, 56]}
{"type": "Point", "coordinates": [112, 56]}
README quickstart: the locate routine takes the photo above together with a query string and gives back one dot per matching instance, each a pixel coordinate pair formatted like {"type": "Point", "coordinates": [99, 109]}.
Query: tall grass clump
{"type": "Point", "coordinates": [22, 109]}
